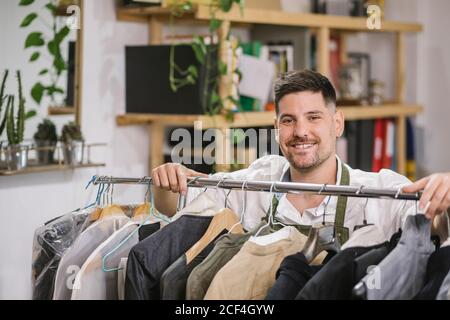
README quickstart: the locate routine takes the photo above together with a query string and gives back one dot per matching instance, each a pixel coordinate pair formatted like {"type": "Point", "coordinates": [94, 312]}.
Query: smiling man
{"type": "Point", "coordinates": [308, 125]}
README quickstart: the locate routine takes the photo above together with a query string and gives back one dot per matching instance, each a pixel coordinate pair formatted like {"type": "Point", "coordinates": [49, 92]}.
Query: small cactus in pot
{"type": "Point", "coordinates": [73, 141]}
{"type": "Point", "coordinates": [45, 139]}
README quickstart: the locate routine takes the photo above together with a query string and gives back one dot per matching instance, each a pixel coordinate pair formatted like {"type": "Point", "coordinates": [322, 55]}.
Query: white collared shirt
{"type": "Point", "coordinates": [387, 214]}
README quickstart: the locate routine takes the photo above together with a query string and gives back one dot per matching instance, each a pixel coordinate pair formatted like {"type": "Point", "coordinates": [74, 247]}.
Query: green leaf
{"type": "Point", "coordinates": [222, 67]}
{"type": "Point", "coordinates": [193, 71]}
{"type": "Point", "coordinates": [34, 39]}
{"type": "Point", "coordinates": [28, 20]}
{"type": "Point", "coordinates": [214, 98]}
{"type": "Point", "coordinates": [61, 35]}
{"type": "Point", "coordinates": [25, 2]}
{"type": "Point", "coordinates": [45, 71]}
{"type": "Point", "coordinates": [226, 5]}
{"type": "Point", "coordinates": [214, 24]}
{"type": "Point", "coordinates": [30, 114]}
{"type": "Point", "coordinates": [37, 92]}
{"type": "Point", "coordinates": [59, 65]}
{"type": "Point", "coordinates": [199, 48]}
{"type": "Point", "coordinates": [53, 48]}
{"type": "Point", "coordinates": [35, 56]}
{"type": "Point", "coordinates": [190, 79]}
{"type": "Point", "coordinates": [50, 6]}
{"type": "Point", "coordinates": [52, 89]}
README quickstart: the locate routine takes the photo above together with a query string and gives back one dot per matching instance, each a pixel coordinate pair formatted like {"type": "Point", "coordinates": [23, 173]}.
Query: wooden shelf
{"type": "Point", "coordinates": [260, 119]}
{"type": "Point", "coordinates": [58, 111]}
{"type": "Point", "coordinates": [260, 16]}
{"type": "Point", "coordinates": [49, 168]}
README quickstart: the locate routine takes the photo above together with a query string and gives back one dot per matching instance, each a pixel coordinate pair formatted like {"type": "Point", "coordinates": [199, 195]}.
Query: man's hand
{"type": "Point", "coordinates": [173, 177]}
{"type": "Point", "coordinates": [436, 191]}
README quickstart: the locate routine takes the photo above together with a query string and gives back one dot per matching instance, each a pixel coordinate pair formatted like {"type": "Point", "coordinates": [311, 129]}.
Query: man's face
{"type": "Point", "coordinates": [307, 129]}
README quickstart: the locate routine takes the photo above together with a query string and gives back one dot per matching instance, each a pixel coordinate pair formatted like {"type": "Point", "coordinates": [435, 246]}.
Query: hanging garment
{"type": "Point", "coordinates": [336, 279]}
{"type": "Point", "coordinates": [374, 257]}
{"type": "Point", "coordinates": [444, 290]}
{"type": "Point", "coordinates": [225, 248]}
{"type": "Point", "coordinates": [91, 282]}
{"type": "Point", "coordinates": [50, 242]}
{"type": "Point", "coordinates": [174, 279]}
{"type": "Point", "coordinates": [151, 257]}
{"type": "Point", "coordinates": [251, 272]}
{"type": "Point", "coordinates": [437, 268]}
{"type": "Point", "coordinates": [291, 277]}
{"type": "Point", "coordinates": [121, 275]}
{"type": "Point", "coordinates": [401, 275]}
{"type": "Point", "coordinates": [204, 205]}
{"type": "Point", "coordinates": [84, 245]}
{"type": "Point", "coordinates": [367, 236]}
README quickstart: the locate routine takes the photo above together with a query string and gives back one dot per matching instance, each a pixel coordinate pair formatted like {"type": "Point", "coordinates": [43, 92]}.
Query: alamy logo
{"type": "Point", "coordinates": [74, 20]}
{"type": "Point", "coordinates": [374, 20]}
{"type": "Point", "coordinates": [70, 282]}
{"type": "Point", "coordinates": [373, 278]}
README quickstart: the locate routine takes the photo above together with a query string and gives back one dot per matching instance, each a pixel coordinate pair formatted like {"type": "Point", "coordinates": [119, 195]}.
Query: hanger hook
{"type": "Point", "coordinates": [364, 211]}
{"type": "Point", "coordinates": [322, 188]}
{"type": "Point", "coordinates": [359, 190]}
{"type": "Point", "coordinates": [398, 192]}
{"type": "Point", "coordinates": [272, 186]}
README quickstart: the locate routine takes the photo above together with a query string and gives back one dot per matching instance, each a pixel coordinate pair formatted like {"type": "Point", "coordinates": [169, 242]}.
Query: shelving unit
{"type": "Point", "coordinates": [49, 168]}
{"type": "Point", "coordinates": [57, 111]}
{"type": "Point", "coordinates": [322, 25]}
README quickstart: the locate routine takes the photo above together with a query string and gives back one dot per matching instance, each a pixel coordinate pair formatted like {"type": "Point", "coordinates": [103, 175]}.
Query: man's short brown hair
{"type": "Point", "coordinates": [304, 80]}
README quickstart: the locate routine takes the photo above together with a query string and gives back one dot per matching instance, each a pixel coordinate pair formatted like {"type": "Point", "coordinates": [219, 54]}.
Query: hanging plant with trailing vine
{"type": "Point", "coordinates": [206, 50]}
{"type": "Point", "coordinates": [52, 41]}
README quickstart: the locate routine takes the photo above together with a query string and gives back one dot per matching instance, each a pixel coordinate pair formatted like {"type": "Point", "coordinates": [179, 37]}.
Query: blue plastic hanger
{"type": "Point", "coordinates": [151, 215]}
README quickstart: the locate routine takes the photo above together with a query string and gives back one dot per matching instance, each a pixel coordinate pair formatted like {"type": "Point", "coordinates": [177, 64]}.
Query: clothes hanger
{"type": "Point", "coordinates": [365, 224]}
{"type": "Point", "coordinates": [111, 208]}
{"type": "Point", "coordinates": [321, 237]}
{"type": "Point", "coordinates": [223, 220]}
{"type": "Point", "coordinates": [270, 220]}
{"type": "Point", "coordinates": [244, 206]}
{"type": "Point", "coordinates": [95, 215]}
{"type": "Point", "coordinates": [142, 210]}
{"type": "Point", "coordinates": [151, 214]}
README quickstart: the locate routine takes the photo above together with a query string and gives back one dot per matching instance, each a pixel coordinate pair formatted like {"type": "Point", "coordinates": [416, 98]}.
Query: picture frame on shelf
{"type": "Point", "coordinates": [362, 62]}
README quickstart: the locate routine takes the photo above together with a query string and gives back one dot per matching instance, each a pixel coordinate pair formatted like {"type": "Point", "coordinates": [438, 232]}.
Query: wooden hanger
{"type": "Point", "coordinates": [223, 220]}
{"type": "Point", "coordinates": [95, 215]}
{"type": "Point", "coordinates": [141, 211]}
{"type": "Point", "coordinates": [110, 210]}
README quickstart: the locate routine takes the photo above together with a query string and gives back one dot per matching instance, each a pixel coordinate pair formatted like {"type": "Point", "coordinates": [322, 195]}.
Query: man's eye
{"type": "Point", "coordinates": [314, 118]}
{"type": "Point", "coordinates": [287, 121]}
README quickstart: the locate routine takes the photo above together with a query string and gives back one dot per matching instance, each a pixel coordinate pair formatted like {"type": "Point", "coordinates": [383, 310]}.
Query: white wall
{"type": "Point", "coordinates": [28, 201]}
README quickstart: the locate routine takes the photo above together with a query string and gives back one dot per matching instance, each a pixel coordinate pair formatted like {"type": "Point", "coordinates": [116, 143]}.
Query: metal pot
{"type": "Point", "coordinates": [73, 152]}
{"type": "Point", "coordinates": [45, 156]}
{"type": "Point", "coordinates": [16, 157]}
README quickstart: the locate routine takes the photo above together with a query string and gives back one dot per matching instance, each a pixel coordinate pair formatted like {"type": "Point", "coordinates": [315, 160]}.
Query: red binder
{"type": "Point", "coordinates": [378, 145]}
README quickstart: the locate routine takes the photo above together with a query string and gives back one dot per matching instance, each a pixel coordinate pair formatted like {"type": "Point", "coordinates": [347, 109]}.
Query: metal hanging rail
{"type": "Point", "coordinates": [275, 186]}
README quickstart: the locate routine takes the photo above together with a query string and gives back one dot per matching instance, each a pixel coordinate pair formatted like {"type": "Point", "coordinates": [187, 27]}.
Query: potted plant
{"type": "Point", "coordinates": [73, 142]}
{"type": "Point", "coordinates": [16, 153]}
{"type": "Point", "coordinates": [51, 41]}
{"type": "Point", "coordinates": [45, 139]}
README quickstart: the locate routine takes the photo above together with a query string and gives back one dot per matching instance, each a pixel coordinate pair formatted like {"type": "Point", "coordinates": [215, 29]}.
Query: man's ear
{"type": "Point", "coordinates": [339, 123]}
{"type": "Point", "coordinates": [277, 130]}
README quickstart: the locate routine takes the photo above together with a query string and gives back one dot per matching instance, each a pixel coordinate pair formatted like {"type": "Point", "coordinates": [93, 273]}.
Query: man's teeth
{"type": "Point", "coordinates": [304, 145]}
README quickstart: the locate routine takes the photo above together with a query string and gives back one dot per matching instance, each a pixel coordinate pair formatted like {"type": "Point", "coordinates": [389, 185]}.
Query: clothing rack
{"type": "Point", "coordinates": [275, 186]}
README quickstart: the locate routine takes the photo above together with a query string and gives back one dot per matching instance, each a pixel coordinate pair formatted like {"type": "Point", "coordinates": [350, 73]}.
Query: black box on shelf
{"type": "Point", "coordinates": [148, 86]}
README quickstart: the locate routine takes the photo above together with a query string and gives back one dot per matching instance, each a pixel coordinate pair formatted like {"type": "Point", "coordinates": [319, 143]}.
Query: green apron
{"type": "Point", "coordinates": [342, 233]}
